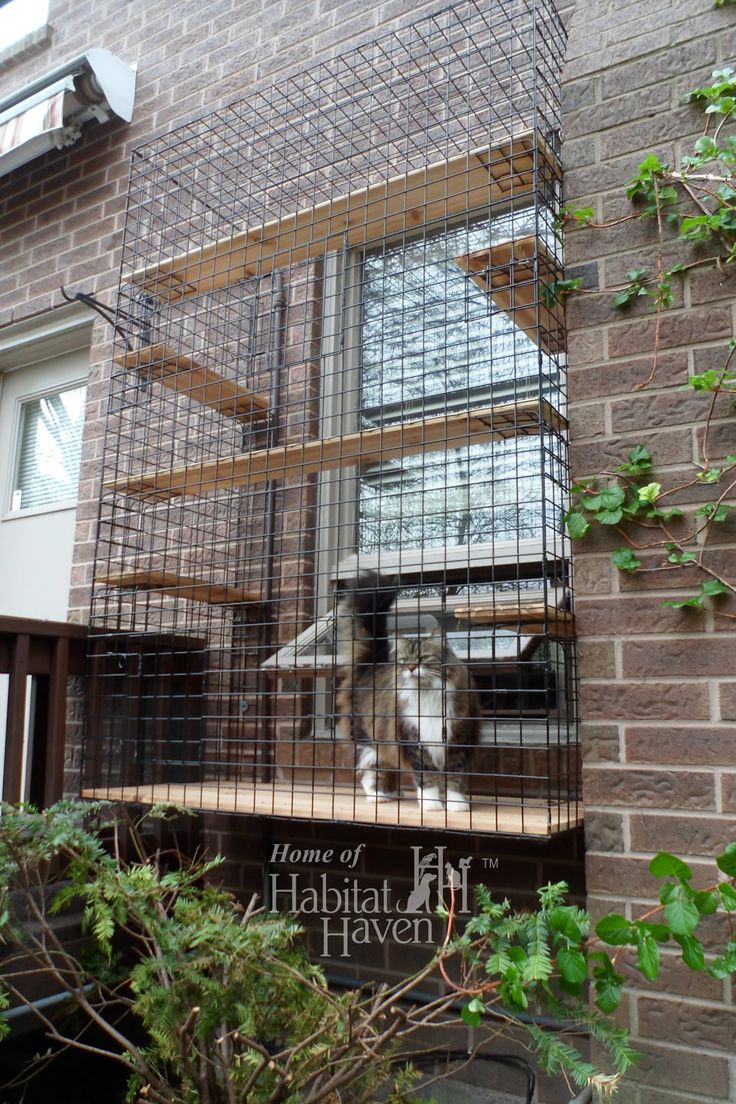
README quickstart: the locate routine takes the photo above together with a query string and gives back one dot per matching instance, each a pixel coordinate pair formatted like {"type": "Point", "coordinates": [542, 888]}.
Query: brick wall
{"type": "Point", "coordinates": [511, 868]}
{"type": "Point", "coordinates": [657, 684]}
{"type": "Point", "coordinates": [657, 741]}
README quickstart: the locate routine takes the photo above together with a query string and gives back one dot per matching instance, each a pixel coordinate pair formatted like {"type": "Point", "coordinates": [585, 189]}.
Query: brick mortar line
{"type": "Point", "coordinates": [697, 814]}
{"type": "Point", "coordinates": [647, 767]}
{"type": "Point", "coordinates": [678, 726]}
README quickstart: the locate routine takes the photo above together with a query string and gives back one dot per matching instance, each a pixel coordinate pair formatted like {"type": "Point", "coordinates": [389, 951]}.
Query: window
{"type": "Point", "coordinates": [431, 345]}
{"type": "Point", "coordinates": [19, 18]}
{"type": "Point", "coordinates": [408, 337]}
{"type": "Point", "coordinates": [49, 450]}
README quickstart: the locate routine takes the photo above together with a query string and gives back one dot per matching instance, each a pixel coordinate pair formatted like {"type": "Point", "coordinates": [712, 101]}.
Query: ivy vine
{"type": "Point", "coordinates": [695, 204]}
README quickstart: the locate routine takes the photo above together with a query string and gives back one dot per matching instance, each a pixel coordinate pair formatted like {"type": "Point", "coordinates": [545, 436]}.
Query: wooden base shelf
{"type": "Point", "coordinates": [507, 273]}
{"type": "Point", "coordinates": [202, 385]}
{"type": "Point", "coordinates": [466, 182]}
{"type": "Point", "coordinates": [372, 446]}
{"type": "Point", "coordinates": [180, 586]}
{"type": "Point", "coordinates": [345, 804]}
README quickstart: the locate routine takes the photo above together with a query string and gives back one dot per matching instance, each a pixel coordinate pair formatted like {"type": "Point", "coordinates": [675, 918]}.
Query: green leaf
{"type": "Point", "coordinates": [711, 588]}
{"type": "Point", "coordinates": [572, 965]}
{"type": "Point", "coordinates": [647, 955]}
{"type": "Point", "coordinates": [696, 228]}
{"type": "Point", "coordinates": [678, 557]}
{"type": "Point", "coordinates": [692, 951]}
{"type": "Point", "coordinates": [614, 929]}
{"type": "Point", "coordinates": [665, 865]}
{"type": "Point", "coordinates": [470, 1016]}
{"type": "Point", "coordinates": [713, 511]}
{"type": "Point", "coordinates": [559, 290]}
{"type": "Point", "coordinates": [681, 913]}
{"type": "Point", "coordinates": [568, 921]}
{"type": "Point", "coordinates": [649, 493]}
{"type": "Point", "coordinates": [640, 457]}
{"type": "Point", "coordinates": [726, 861]}
{"type": "Point", "coordinates": [622, 298]}
{"type": "Point", "coordinates": [609, 517]}
{"type": "Point", "coordinates": [625, 559]}
{"type": "Point", "coordinates": [660, 932]}
{"type": "Point", "coordinates": [608, 988]}
{"type": "Point", "coordinates": [727, 894]}
{"type": "Point", "coordinates": [704, 381]}
{"type": "Point", "coordinates": [612, 497]}
{"type": "Point", "coordinates": [725, 964]}
{"type": "Point", "coordinates": [706, 902]}
{"type": "Point", "coordinates": [668, 515]}
{"type": "Point", "coordinates": [706, 146]}
{"type": "Point", "coordinates": [666, 890]}
{"type": "Point", "coordinates": [577, 525]}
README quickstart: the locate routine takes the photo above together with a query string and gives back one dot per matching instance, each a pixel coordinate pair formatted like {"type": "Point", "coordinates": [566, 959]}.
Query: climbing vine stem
{"type": "Point", "coordinates": [693, 205]}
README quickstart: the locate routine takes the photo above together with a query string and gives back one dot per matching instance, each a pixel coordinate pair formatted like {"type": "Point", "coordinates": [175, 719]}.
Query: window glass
{"type": "Point", "coordinates": [431, 344]}
{"type": "Point", "coordinates": [49, 449]}
{"type": "Point", "coordinates": [19, 18]}
{"type": "Point", "coordinates": [428, 331]}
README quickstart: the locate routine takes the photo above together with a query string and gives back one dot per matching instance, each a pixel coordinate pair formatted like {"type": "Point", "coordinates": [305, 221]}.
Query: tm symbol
{"type": "Point", "coordinates": [489, 863]}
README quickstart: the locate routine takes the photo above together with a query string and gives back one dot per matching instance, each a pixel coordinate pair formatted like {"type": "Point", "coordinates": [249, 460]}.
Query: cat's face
{"type": "Point", "coordinates": [421, 661]}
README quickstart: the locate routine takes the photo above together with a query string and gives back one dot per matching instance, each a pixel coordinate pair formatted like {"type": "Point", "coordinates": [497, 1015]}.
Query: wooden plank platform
{"type": "Point", "coordinates": [344, 803]}
{"type": "Point", "coordinates": [203, 385]}
{"type": "Point", "coordinates": [532, 618]}
{"type": "Point", "coordinates": [506, 272]}
{"type": "Point", "coordinates": [372, 446]}
{"type": "Point", "coordinates": [463, 183]}
{"type": "Point", "coordinates": [180, 586]}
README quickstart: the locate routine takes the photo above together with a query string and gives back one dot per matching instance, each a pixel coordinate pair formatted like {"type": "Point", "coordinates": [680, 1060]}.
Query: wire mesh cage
{"type": "Point", "coordinates": [331, 577]}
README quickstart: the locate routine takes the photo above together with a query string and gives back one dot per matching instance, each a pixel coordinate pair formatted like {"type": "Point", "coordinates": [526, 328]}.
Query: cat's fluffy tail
{"type": "Point", "coordinates": [362, 618]}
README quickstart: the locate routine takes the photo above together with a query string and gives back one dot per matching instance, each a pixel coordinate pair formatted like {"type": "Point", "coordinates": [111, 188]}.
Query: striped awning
{"type": "Point", "coordinates": [36, 128]}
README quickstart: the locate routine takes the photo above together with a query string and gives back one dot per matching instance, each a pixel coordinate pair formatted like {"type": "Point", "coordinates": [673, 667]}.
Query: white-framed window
{"type": "Point", "coordinates": [407, 336]}
{"type": "Point", "coordinates": [48, 450]}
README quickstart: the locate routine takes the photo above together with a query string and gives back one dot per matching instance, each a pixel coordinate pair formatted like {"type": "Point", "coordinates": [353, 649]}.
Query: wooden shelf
{"type": "Point", "coordinates": [466, 182]}
{"type": "Point", "coordinates": [344, 803]}
{"type": "Point", "coordinates": [372, 446]}
{"type": "Point", "coordinates": [184, 375]}
{"type": "Point", "coordinates": [530, 619]}
{"type": "Point", "coordinates": [180, 586]}
{"type": "Point", "coordinates": [506, 272]}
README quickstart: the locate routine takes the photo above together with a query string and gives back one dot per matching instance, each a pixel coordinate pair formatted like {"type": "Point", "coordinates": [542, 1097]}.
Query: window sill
{"type": "Point", "coordinates": [36, 511]}
{"type": "Point", "coordinates": [30, 44]}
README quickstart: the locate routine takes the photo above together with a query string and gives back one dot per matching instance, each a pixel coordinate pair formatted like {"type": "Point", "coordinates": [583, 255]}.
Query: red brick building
{"type": "Point", "coordinates": [657, 686]}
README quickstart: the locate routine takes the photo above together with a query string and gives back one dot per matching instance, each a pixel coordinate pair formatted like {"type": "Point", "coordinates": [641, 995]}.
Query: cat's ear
{"type": "Point", "coordinates": [437, 633]}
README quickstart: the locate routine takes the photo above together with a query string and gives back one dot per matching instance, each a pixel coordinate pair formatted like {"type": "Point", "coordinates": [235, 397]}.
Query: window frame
{"type": "Point", "coordinates": [71, 503]}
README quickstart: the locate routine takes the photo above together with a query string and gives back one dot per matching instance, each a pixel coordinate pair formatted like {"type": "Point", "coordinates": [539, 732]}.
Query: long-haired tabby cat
{"type": "Point", "coordinates": [410, 706]}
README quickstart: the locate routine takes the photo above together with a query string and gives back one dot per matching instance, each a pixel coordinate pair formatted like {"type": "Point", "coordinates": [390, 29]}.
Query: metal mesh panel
{"type": "Point", "coordinates": [331, 577]}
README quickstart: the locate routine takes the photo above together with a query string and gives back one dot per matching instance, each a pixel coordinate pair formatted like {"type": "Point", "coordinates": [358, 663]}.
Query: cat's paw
{"type": "Point", "coordinates": [380, 795]}
{"type": "Point", "coordinates": [457, 802]}
{"type": "Point", "coordinates": [430, 800]}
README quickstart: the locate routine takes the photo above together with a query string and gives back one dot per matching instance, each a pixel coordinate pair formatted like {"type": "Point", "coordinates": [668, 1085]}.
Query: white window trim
{"type": "Point", "coordinates": [43, 337]}
{"type": "Point", "coordinates": [33, 341]}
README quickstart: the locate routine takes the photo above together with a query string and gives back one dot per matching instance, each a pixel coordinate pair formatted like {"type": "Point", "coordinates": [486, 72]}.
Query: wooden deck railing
{"type": "Point", "coordinates": [47, 653]}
